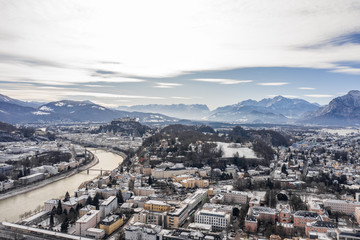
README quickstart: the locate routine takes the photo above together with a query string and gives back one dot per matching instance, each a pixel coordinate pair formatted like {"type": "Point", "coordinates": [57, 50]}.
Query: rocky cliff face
{"type": "Point", "coordinates": [344, 110]}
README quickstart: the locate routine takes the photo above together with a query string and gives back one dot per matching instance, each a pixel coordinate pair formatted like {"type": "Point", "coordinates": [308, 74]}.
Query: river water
{"type": "Point", "coordinates": [11, 208]}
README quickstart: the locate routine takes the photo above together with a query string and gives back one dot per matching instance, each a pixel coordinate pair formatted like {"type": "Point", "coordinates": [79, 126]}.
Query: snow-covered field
{"type": "Point", "coordinates": [341, 131]}
{"type": "Point", "coordinates": [229, 149]}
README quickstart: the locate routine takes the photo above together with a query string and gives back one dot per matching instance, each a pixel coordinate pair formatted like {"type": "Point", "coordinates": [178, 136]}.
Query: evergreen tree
{"type": "Point", "coordinates": [150, 181]}
{"type": "Point", "coordinates": [67, 197]}
{"type": "Point", "coordinates": [51, 220]}
{"type": "Point", "coordinates": [89, 201]}
{"type": "Point", "coordinates": [95, 201]}
{"type": "Point", "coordinates": [65, 225]}
{"type": "Point", "coordinates": [59, 208]}
{"type": "Point", "coordinates": [283, 169]}
{"type": "Point", "coordinates": [120, 198]}
{"type": "Point", "coordinates": [78, 207]}
{"type": "Point", "coordinates": [72, 214]}
{"type": "Point", "coordinates": [54, 210]}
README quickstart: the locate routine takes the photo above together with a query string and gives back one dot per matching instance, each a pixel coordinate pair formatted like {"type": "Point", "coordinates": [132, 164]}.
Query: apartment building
{"type": "Point", "coordinates": [300, 218]}
{"type": "Point", "coordinates": [218, 220]}
{"type": "Point", "coordinates": [176, 217]}
{"type": "Point", "coordinates": [108, 206]}
{"type": "Point", "coordinates": [157, 206]}
{"type": "Point", "coordinates": [141, 231]}
{"type": "Point", "coordinates": [89, 220]}
{"type": "Point", "coordinates": [265, 214]}
{"type": "Point", "coordinates": [236, 197]}
{"type": "Point", "coordinates": [319, 227]}
{"type": "Point", "coordinates": [111, 223]}
{"type": "Point", "coordinates": [343, 206]}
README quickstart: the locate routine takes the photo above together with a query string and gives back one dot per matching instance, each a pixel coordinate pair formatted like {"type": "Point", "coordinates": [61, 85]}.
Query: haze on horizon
{"type": "Point", "coordinates": [208, 52]}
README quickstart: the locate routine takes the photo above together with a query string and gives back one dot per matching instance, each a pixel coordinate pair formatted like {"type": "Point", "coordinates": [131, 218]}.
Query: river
{"type": "Point", "coordinates": [11, 208]}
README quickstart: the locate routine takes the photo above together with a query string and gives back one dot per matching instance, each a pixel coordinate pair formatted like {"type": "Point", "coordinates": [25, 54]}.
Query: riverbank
{"type": "Point", "coordinates": [45, 182]}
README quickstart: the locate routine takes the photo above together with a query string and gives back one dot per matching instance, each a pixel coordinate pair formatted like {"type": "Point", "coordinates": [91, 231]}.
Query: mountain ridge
{"type": "Point", "coordinates": [340, 110]}
{"type": "Point", "coordinates": [343, 110]}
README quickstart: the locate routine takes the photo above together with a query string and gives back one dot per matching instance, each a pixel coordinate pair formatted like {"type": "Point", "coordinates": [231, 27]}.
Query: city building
{"type": "Point", "coordinates": [144, 191]}
{"type": "Point", "coordinates": [108, 206]}
{"type": "Point", "coordinates": [251, 224]}
{"type": "Point", "coordinates": [111, 223]}
{"type": "Point", "coordinates": [300, 218]}
{"type": "Point", "coordinates": [157, 206]}
{"type": "Point", "coordinates": [95, 233]}
{"type": "Point", "coordinates": [89, 220]}
{"type": "Point", "coordinates": [236, 197]}
{"type": "Point", "coordinates": [200, 226]}
{"type": "Point", "coordinates": [50, 204]}
{"type": "Point", "coordinates": [265, 214]}
{"type": "Point", "coordinates": [31, 178]}
{"type": "Point", "coordinates": [357, 214]}
{"type": "Point", "coordinates": [197, 197]}
{"type": "Point", "coordinates": [7, 184]}
{"type": "Point", "coordinates": [218, 220]}
{"type": "Point", "coordinates": [348, 235]}
{"type": "Point", "coordinates": [194, 183]}
{"type": "Point", "coordinates": [141, 231]}
{"type": "Point", "coordinates": [218, 207]}
{"type": "Point", "coordinates": [284, 215]}
{"type": "Point", "coordinates": [5, 168]}
{"type": "Point", "coordinates": [179, 234]}
{"type": "Point", "coordinates": [320, 227]}
{"type": "Point", "coordinates": [150, 217]}
{"type": "Point", "coordinates": [176, 217]}
{"type": "Point", "coordinates": [343, 206]}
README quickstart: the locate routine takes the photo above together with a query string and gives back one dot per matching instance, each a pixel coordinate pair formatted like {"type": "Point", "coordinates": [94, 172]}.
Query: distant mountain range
{"type": "Point", "coordinates": [7, 99]}
{"type": "Point", "coordinates": [191, 111]}
{"type": "Point", "coordinates": [342, 111]}
{"type": "Point", "coordinates": [278, 109]}
{"type": "Point", "coordinates": [67, 111]}
{"type": "Point", "coordinates": [270, 110]}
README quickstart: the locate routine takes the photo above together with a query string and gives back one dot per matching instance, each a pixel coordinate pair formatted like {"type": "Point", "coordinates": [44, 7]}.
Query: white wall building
{"type": "Point", "coordinates": [7, 184]}
{"type": "Point", "coordinates": [108, 206]}
{"type": "Point", "coordinates": [236, 197]}
{"type": "Point", "coordinates": [343, 206]}
{"type": "Point", "coordinates": [89, 220]}
{"type": "Point", "coordinates": [218, 220]}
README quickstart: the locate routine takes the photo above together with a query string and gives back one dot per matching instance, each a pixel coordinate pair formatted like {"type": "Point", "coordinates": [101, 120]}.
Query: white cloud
{"type": "Point", "coordinates": [167, 85]}
{"type": "Point", "coordinates": [222, 81]}
{"type": "Point", "coordinates": [306, 88]}
{"type": "Point", "coordinates": [54, 94]}
{"type": "Point", "coordinates": [199, 35]}
{"type": "Point", "coordinates": [273, 84]}
{"type": "Point", "coordinates": [183, 98]}
{"type": "Point", "coordinates": [287, 96]}
{"type": "Point", "coordinates": [348, 70]}
{"type": "Point", "coordinates": [319, 95]}
{"type": "Point", "coordinates": [107, 95]}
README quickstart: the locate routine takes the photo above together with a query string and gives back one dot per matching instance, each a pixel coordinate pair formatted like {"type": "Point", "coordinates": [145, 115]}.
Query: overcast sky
{"type": "Point", "coordinates": [210, 52]}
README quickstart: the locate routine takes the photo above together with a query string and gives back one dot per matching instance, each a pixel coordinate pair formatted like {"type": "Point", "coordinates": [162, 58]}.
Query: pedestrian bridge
{"type": "Point", "coordinates": [98, 170]}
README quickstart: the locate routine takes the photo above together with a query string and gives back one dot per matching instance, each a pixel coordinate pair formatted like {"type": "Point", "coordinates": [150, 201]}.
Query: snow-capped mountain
{"type": "Point", "coordinates": [69, 111]}
{"type": "Point", "coordinates": [269, 110]}
{"type": "Point", "coordinates": [344, 110]}
{"type": "Point", "coordinates": [6, 99]}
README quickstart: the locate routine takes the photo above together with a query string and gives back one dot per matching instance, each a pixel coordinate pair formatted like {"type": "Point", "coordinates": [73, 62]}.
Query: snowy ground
{"type": "Point", "coordinates": [229, 150]}
{"type": "Point", "coordinates": [341, 131]}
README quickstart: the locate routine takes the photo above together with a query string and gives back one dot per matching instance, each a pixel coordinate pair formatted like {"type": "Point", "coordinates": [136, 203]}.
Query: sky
{"type": "Point", "coordinates": [167, 52]}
